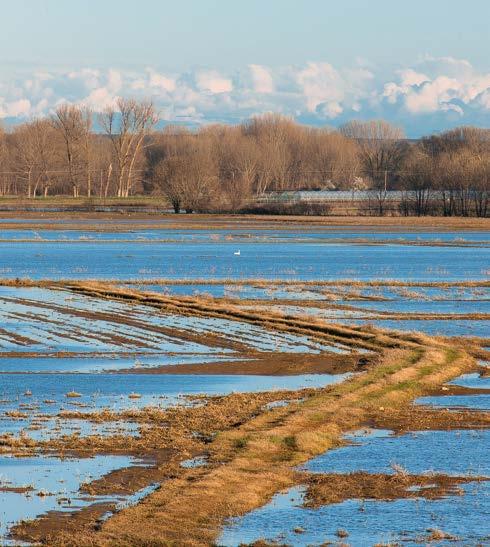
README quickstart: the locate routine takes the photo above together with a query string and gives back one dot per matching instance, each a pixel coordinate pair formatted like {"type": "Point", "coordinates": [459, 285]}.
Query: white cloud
{"type": "Point", "coordinates": [15, 109]}
{"type": "Point", "coordinates": [88, 76]}
{"type": "Point", "coordinates": [161, 81]}
{"type": "Point", "coordinates": [432, 95]}
{"type": "Point", "coordinates": [410, 77]}
{"type": "Point", "coordinates": [262, 79]}
{"type": "Point", "coordinates": [316, 92]}
{"type": "Point", "coordinates": [484, 99]}
{"type": "Point", "coordinates": [329, 91]}
{"type": "Point", "coordinates": [99, 99]}
{"type": "Point", "coordinates": [443, 83]}
{"type": "Point", "coordinates": [320, 83]}
{"type": "Point", "coordinates": [105, 95]}
{"type": "Point", "coordinates": [212, 81]}
{"type": "Point", "coordinates": [114, 80]}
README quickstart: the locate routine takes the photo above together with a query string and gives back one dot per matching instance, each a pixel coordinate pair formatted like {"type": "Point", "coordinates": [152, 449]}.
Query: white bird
{"type": "Point", "coordinates": [237, 253]}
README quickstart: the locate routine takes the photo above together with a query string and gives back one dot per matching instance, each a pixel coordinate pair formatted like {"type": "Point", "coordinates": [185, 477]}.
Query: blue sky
{"type": "Point", "coordinates": [422, 64]}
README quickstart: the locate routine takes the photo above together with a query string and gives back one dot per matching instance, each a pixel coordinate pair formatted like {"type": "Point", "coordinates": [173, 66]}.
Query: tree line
{"type": "Point", "coordinates": [120, 153]}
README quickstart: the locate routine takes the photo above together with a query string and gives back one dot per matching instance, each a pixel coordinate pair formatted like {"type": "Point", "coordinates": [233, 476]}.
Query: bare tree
{"type": "Point", "coordinates": [270, 132]}
{"type": "Point", "coordinates": [36, 160]}
{"type": "Point", "coordinates": [127, 126]}
{"type": "Point", "coordinates": [25, 156]}
{"type": "Point", "coordinates": [238, 158]}
{"type": "Point", "coordinates": [461, 160]}
{"type": "Point", "coordinates": [381, 150]}
{"type": "Point", "coordinates": [334, 160]}
{"type": "Point", "coordinates": [5, 179]}
{"type": "Point", "coordinates": [74, 124]}
{"type": "Point", "coordinates": [222, 167]}
{"type": "Point", "coordinates": [188, 175]}
{"type": "Point", "coordinates": [418, 180]}
{"type": "Point", "coordinates": [101, 158]}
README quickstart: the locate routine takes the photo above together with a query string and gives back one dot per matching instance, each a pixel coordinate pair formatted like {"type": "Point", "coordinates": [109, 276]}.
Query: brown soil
{"type": "Point", "coordinates": [16, 489]}
{"type": "Point", "coordinates": [419, 418]}
{"type": "Point", "coordinates": [270, 364]}
{"type": "Point", "coordinates": [161, 465]}
{"type": "Point", "coordinates": [460, 390]}
{"type": "Point", "coordinates": [263, 283]}
{"type": "Point", "coordinates": [56, 524]}
{"type": "Point", "coordinates": [17, 338]}
{"type": "Point", "coordinates": [325, 489]}
{"type": "Point", "coordinates": [181, 429]}
{"type": "Point", "coordinates": [173, 435]}
{"type": "Point", "coordinates": [252, 222]}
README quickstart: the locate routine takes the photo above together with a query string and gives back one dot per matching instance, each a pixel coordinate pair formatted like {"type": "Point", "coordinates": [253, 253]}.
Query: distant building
{"type": "Point", "coordinates": [322, 196]}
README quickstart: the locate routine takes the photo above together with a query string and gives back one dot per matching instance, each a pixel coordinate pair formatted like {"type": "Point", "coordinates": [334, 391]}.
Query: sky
{"type": "Point", "coordinates": [424, 65]}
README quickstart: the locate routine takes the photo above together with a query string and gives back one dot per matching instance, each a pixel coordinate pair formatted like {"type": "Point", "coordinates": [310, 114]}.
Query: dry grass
{"type": "Point", "coordinates": [254, 282]}
{"type": "Point", "coordinates": [323, 489]}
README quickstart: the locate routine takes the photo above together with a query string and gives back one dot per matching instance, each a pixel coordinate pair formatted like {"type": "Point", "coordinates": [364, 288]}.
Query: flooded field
{"type": "Point", "coordinates": [204, 254]}
{"type": "Point", "coordinates": [147, 368]}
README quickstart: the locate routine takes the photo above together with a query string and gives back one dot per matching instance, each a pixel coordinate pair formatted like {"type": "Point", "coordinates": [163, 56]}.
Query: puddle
{"type": "Point", "coordinates": [280, 404]}
{"type": "Point", "coordinates": [198, 461]}
{"type": "Point", "coordinates": [285, 521]}
{"type": "Point", "coordinates": [191, 235]}
{"type": "Point", "coordinates": [412, 305]}
{"type": "Point", "coordinates": [131, 500]}
{"type": "Point", "coordinates": [89, 364]}
{"type": "Point", "coordinates": [450, 452]}
{"type": "Point", "coordinates": [42, 428]}
{"type": "Point", "coordinates": [443, 327]}
{"type": "Point", "coordinates": [55, 321]}
{"type": "Point", "coordinates": [52, 483]}
{"type": "Point", "coordinates": [447, 299]}
{"type": "Point", "coordinates": [473, 380]}
{"type": "Point", "coordinates": [230, 290]}
{"type": "Point", "coordinates": [48, 392]}
{"type": "Point", "coordinates": [479, 401]}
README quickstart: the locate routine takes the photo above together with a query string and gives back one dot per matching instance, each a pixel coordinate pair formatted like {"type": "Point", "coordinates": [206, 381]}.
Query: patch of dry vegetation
{"type": "Point", "coordinates": [324, 489]}
{"type": "Point", "coordinates": [264, 283]}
